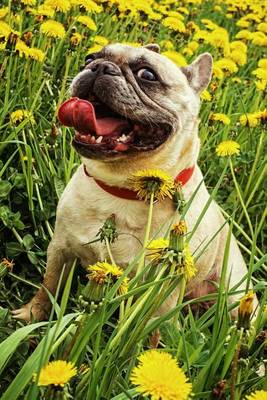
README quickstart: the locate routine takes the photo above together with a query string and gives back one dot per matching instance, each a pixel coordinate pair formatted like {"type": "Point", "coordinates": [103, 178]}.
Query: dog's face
{"type": "Point", "coordinates": [140, 99]}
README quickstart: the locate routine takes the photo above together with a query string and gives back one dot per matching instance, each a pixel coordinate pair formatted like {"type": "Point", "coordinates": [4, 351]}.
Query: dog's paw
{"type": "Point", "coordinates": [30, 312]}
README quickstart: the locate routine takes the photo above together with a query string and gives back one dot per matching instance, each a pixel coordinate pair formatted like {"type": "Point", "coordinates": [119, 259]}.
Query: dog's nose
{"type": "Point", "coordinates": [106, 68]}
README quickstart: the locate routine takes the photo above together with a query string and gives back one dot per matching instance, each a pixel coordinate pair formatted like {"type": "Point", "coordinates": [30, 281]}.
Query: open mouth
{"type": "Point", "coordinates": [99, 130]}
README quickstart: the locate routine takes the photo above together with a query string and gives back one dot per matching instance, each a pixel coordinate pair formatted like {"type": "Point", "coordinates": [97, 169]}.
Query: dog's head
{"type": "Point", "coordinates": [138, 100]}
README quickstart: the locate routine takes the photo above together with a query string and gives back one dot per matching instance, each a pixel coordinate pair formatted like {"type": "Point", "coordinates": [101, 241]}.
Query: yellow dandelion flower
{"type": "Point", "coordinates": [3, 12]}
{"type": "Point", "coordinates": [158, 375]}
{"type": "Point", "coordinates": [100, 40]}
{"type": "Point", "coordinates": [226, 64]}
{"type": "Point", "coordinates": [56, 373]}
{"type": "Point", "coordinates": [188, 267]}
{"type": "Point", "coordinates": [217, 72]}
{"type": "Point", "coordinates": [28, 2]}
{"type": "Point", "coordinates": [262, 27]}
{"type": "Point", "coordinates": [5, 30]}
{"type": "Point", "coordinates": [87, 21]}
{"type": "Point", "coordinates": [36, 54]}
{"type": "Point", "coordinates": [146, 181]}
{"type": "Point", "coordinates": [102, 272]}
{"type": "Point", "coordinates": [258, 395]}
{"type": "Point", "coordinates": [261, 73]}
{"type": "Point", "coordinates": [180, 228]}
{"type": "Point", "coordinates": [58, 5]}
{"type": "Point", "coordinates": [176, 57]}
{"type": "Point", "coordinates": [249, 119]}
{"type": "Point", "coordinates": [238, 45]}
{"type": "Point", "coordinates": [22, 48]}
{"type": "Point", "coordinates": [45, 10]}
{"type": "Point", "coordinates": [263, 63]}
{"type": "Point", "coordinates": [246, 304]}
{"type": "Point", "coordinates": [258, 38]}
{"type": "Point", "coordinates": [239, 57]}
{"type": "Point", "coordinates": [228, 148]}
{"type": "Point", "coordinates": [166, 44]}
{"type": "Point", "coordinates": [243, 23]}
{"type": "Point", "coordinates": [53, 29]}
{"type": "Point", "coordinates": [261, 85]}
{"type": "Point", "coordinates": [245, 310]}
{"type": "Point", "coordinates": [94, 49]}
{"type": "Point", "coordinates": [88, 5]}
{"type": "Point", "coordinates": [205, 96]}
{"type": "Point", "coordinates": [21, 115]}
{"type": "Point", "coordinates": [174, 23]}
{"type": "Point", "coordinates": [209, 24]}
{"type": "Point", "coordinates": [156, 248]}
{"type": "Point", "coordinates": [75, 39]}
{"type": "Point", "coordinates": [221, 118]}
{"type": "Point", "coordinates": [219, 38]}
{"type": "Point", "coordinates": [244, 34]}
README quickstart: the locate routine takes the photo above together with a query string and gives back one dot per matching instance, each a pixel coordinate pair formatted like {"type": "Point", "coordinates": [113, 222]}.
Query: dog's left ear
{"type": "Point", "coordinates": [199, 72]}
{"type": "Point", "coordinates": [153, 47]}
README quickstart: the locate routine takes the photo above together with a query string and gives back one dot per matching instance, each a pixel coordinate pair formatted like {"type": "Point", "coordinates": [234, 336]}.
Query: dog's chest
{"type": "Point", "coordinates": [84, 221]}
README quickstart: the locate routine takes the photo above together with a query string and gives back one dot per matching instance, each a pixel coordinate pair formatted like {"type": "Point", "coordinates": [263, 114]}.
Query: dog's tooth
{"type": "Point", "coordinates": [93, 139]}
{"type": "Point", "coordinates": [99, 139]}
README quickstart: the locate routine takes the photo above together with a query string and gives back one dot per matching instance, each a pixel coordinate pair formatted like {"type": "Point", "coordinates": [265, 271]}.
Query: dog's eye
{"type": "Point", "coordinates": [89, 59]}
{"type": "Point", "coordinates": [146, 74]}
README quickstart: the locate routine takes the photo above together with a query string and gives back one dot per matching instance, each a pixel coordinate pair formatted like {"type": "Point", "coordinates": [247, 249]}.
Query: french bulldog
{"type": "Point", "coordinates": [132, 109]}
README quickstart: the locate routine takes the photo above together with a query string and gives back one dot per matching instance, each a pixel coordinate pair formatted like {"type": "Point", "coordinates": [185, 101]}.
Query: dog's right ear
{"type": "Point", "coordinates": [199, 72]}
{"type": "Point", "coordinates": [153, 47]}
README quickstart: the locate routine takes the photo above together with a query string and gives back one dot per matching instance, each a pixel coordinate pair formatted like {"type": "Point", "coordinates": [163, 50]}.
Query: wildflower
{"type": "Point", "coordinates": [21, 115]}
{"type": "Point", "coordinates": [245, 310]}
{"type": "Point", "coordinates": [263, 63]}
{"type": "Point", "coordinates": [101, 40]}
{"type": "Point", "coordinates": [36, 54]}
{"type": "Point", "coordinates": [261, 73]}
{"type": "Point", "coordinates": [3, 12]}
{"type": "Point", "coordinates": [258, 395]}
{"type": "Point", "coordinates": [244, 34]}
{"type": "Point", "coordinates": [205, 95]}
{"type": "Point", "coordinates": [180, 228]}
{"type": "Point", "coordinates": [262, 27]}
{"type": "Point", "coordinates": [221, 118]}
{"type": "Point", "coordinates": [217, 72]}
{"type": "Point", "coordinates": [259, 38]}
{"type": "Point", "coordinates": [87, 21]}
{"type": "Point", "coordinates": [174, 23]}
{"type": "Point", "coordinates": [226, 64]}
{"type": "Point", "coordinates": [53, 29]}
{"type": "Point", "coordinates": [261, 85]}
{"type": "Point", "coordinates": [58, 5]}
{"type": "Point", "coordinates": [103, 272]}
{"type": "Point", "coordinates": [45, 10]}
{"type": "Point", "coordinates": [158, 375]}
{"type": "Point", "coordinates": [187, 266]}
{"type": "Point", "coordinates": [56, 373]}
{"type": "Point", "coordinates": [227, 148]}
{"type": "Point", "coordinates": [176, 57]}
{"type": "Point", "coordinates": [156, 248]}
{"type": "Point", "coordinates": [146, 182]}
{"type": "Point", "coordinates": [88, 5]}
{"type": "Point", "coordinates": [75, 39]}
{"type": "Point", "coordinates": [5, 30]}
{"type": "Point", "coordinates": [249, 119]}
{"type": "Point", "coordinates": [239, 57]}
{"type": "Point", "coordinates": [238, 45]}
{"type": "Point", "coordinates": [94, 49]}
{"type": "Point", "coordinates": [28, 2]}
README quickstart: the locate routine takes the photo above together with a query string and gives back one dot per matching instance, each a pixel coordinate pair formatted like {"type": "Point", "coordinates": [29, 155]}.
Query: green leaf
{"type": "Point", "coordinates": [5, 188]}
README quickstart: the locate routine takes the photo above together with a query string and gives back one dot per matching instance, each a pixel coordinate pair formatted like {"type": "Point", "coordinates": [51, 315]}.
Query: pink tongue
{"type": "Point", "coordinates": [80, 114]}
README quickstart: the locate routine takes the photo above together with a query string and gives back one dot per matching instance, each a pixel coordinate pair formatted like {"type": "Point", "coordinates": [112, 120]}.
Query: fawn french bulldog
{"type": "Point", "coordinates": [133, 108]}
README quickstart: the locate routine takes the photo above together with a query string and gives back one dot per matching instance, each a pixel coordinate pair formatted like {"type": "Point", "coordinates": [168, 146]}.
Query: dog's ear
{"type": "Point", "coordinates": [153, 47]}
{"type": "Point", "coordinates": [199, 72]}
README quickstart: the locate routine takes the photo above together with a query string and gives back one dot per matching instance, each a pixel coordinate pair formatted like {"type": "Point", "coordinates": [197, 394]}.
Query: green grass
{"type": "Point", "coordinates": [37, 161]}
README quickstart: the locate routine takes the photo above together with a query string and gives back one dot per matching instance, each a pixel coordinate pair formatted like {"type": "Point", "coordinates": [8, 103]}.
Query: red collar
{"type": "Point", "coordinates": [128, 194]}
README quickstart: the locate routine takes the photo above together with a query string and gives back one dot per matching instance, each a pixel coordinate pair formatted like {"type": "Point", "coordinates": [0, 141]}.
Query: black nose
{"type": "Point", "coordinates": [105, 68]}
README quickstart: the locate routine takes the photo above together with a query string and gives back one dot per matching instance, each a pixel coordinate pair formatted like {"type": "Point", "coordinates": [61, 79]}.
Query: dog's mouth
{"type": "Point", "coordinates": [99, 130]}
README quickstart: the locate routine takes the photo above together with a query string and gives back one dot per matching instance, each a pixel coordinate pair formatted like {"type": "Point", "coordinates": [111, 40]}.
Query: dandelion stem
{"type": "Point", "coordinates": [109, 251]}
{"type": "Point", "coordinates": [241, 198]}
{"type": "Point", "coordinates": [147, 232]}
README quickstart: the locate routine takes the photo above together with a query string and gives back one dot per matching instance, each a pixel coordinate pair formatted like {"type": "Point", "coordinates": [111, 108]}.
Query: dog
{"type": "Point", "coordinates": [142, 112]}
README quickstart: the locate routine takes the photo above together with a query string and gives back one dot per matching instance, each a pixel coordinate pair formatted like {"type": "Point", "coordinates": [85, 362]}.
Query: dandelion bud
{"type": "Point", "coordinates": [245, 310]}
{"type": "Point", "coordinates": [177, 236]}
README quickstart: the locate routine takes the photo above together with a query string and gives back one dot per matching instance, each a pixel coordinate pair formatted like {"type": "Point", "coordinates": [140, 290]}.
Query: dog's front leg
{"type": "Point", "coordinates": [39, 307]}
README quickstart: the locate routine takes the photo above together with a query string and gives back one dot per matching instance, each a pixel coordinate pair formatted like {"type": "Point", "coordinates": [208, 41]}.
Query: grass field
{"type": "Point", "coordinates": [42, 47]}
